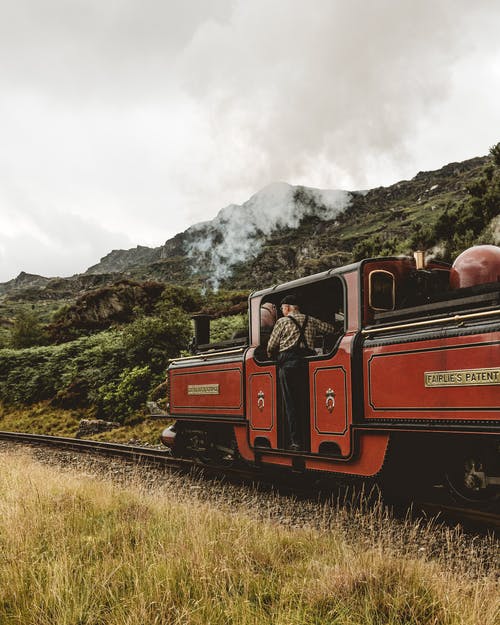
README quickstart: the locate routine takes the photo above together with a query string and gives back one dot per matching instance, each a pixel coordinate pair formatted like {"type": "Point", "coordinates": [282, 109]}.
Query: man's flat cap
{"type": "Point", "coordinates": [291, 300]}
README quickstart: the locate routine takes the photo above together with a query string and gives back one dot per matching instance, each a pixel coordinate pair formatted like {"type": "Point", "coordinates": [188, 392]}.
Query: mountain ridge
{"type": "Point", "coordinates": [281, 232]}
{"type": "Point", "coordinates": [442, 186]}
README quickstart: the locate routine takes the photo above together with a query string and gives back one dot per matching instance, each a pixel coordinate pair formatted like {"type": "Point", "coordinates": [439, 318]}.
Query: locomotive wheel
{"type": "Point", "coordinates": [466, 476]}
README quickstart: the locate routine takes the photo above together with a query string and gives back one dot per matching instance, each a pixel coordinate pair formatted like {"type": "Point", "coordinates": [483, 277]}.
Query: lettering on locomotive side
{"type": "Point", "coordinates": [463, 377]}
{"type": "Point", "coordinates": [203, 389]}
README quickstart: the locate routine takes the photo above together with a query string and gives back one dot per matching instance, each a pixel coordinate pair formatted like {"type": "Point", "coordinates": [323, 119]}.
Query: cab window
{"type": "Point", "coordinates": [382, 290]}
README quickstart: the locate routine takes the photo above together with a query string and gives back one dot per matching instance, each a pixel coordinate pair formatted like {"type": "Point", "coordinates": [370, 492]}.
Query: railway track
{"type": "Point", "coordinates": [136, 453]}
{"type": "Point", "coordinates": [133, 452]}
{"type": "Point", "coordinates": [467, 517]}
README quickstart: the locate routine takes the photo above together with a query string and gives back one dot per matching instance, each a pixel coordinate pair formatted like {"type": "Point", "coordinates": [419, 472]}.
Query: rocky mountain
{"type": "Point", "coordinates": [281, 232]}
{"type": "Point", "coordinates": [235, 235]}
{"type": "Point", "coordinates": [119, 261]}
{"type": "Point", "coordinates": [23, 281]}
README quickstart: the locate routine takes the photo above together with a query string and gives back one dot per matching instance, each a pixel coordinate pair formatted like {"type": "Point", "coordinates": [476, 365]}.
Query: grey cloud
{"type": "Point", "coordinates": [147, 116]}
{"type": "Point", "coordinates": [89, 49]}
{"type": "Point", "coordinates": [47, 240]}
{"type": "Point", "coordinates": [334, 80]}
{"type": "Point", "coordinates": [56, 245]}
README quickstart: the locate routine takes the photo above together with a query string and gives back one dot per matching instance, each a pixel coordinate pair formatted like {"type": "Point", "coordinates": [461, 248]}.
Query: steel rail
{"type": "Point", "coordinates": [482, 517]}
{"type": "Point", "coordinates": [131, 452]}
{"type": "Point", "coordinates": [135, 452]}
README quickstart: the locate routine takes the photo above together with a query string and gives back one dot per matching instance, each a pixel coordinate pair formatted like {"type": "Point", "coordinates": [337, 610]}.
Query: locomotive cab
{"type": "Point", "coordinates": [322, 297]}
{"type": "Point", "coordinates": [324, 300]}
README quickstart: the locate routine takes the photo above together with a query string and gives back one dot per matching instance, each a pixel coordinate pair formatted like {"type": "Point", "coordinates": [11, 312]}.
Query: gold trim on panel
{"type": "Point", "coordinates": [462, 377]}
{"type": "Point", "coordinates": [203, 389]}
{"type": "Point", "coordinates": [416, 324]}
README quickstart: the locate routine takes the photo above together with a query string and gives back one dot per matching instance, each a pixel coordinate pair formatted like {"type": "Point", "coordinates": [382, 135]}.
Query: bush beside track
{"type": "Point", "coordinates": [111, 373]}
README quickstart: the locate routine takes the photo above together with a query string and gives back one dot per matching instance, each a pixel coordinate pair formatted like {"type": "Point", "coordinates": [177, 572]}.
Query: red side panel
{"type": "Point", "coordinates": [262, 401]}
{"type": "Point", "coordinates": [453, 378]}
{"type": "Point", "coordinates": [368, 461]}
{"type": "Point", "coordinates": [330, 405]}
{"type": "Point", "coordinates": [209, 389]}
{"type": "Point", "coordinates": [330, 409]}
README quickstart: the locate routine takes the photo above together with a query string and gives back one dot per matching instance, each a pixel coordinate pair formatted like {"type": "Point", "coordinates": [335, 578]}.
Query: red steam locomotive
{"type": "Point", "coordinates": [410, 382]}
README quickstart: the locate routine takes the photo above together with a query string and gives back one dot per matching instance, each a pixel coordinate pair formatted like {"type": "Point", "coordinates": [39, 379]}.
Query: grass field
{"type": "Point", "coordinates": [85, 551]}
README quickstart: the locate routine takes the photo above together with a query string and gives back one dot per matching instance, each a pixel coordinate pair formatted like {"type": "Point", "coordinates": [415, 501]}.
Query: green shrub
{"type": "Point", "coordinates": [173, 296]}
{"type": "Point", "coordinates": [83, 371]}
{"type": "Point", "coordinates": [495, 154]}
{"type": "Point", "coordinates": [223, 302]}
{"type": "Point", "coordinates": [121, 397]}
{"type": "Point", "coordinates": [153, 340]}
{"type": "Point", "coordinates": [376, 245]}
{"type": "Point", "coordinates": [37, 373]}
{"type": "Point", "coordinates": [225, 328]}
{"type": "Point", "coordinates": [27, 330]}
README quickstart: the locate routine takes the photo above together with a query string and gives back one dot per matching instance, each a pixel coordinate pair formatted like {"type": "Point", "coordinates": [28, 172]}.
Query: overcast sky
{"type": "Point", "coordinates": [123, 122]}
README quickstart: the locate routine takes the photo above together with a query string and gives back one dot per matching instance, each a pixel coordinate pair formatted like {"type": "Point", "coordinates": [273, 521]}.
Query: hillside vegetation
{"type": "Point", "coordinates": [443, 212]}
{"type": "Point", "coordinates": [109, 364]}
{"type": "Point", "coordinates": [100, 342]}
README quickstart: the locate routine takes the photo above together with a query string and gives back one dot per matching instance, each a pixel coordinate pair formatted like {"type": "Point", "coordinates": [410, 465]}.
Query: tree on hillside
{"type": "Point", "coordinates": [27, 330]}
{"type": "Point", "coordinates": [468, 224]}
{"type": "Point", "coordinates": [495, 153]}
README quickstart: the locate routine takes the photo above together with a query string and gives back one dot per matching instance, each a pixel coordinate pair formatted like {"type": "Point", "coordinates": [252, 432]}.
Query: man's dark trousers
{"type": "Point", "coordinates": [292, 369]}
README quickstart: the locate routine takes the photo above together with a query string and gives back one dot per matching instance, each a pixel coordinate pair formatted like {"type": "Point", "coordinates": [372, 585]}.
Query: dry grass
{"type": "Point", "coordinates": [39, 419]}
{"type": "Point", "coordinates": [78, 550]}
{"type": "Point", "coordinates": [140, 430]}
{"type": "Point", "coordinates": [42, 418]}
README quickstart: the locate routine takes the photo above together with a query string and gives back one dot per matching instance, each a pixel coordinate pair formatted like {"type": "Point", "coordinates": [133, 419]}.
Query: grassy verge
{"type": "Point", "coordinates": [42, 418]}
{"type": "Point", "coordinates": [76, 550]}
{"type": "Point", "coordinates": [137, 429]}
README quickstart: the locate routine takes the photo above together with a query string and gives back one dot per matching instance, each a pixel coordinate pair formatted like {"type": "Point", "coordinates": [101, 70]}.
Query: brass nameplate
{"type": "Point", "coordinates": [463, 377]}
{"type": "Point", "coordinates": [203, 389]}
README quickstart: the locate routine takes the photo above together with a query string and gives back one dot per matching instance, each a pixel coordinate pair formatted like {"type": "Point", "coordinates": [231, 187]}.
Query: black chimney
{"type": "Point", "coordinates": [201, 330]}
